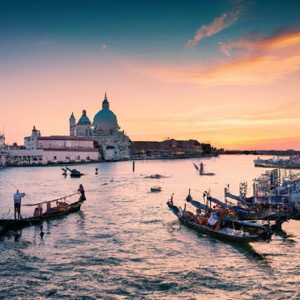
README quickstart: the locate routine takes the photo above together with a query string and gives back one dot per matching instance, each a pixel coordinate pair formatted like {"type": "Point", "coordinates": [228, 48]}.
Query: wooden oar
{"type": "Point", "coordinates": [33, 204]}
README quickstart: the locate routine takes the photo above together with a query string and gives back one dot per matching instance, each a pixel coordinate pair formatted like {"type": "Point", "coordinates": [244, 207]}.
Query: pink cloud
{"type": "Point", "coordinates": [243, 43]}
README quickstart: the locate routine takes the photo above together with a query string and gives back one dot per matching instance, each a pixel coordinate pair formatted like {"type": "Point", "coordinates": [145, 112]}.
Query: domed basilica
{"type": "Point", "coordinates": [114, 143]}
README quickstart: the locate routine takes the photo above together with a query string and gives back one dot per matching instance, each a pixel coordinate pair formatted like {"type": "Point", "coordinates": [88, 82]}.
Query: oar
{"type": "Point", "coordinates": [33, 204]}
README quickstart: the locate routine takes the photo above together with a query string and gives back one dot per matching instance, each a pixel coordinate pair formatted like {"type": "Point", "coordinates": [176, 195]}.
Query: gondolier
{"type": "Point", "coordinates": [17, 203]}
{"type": "Point", "coordinates": [82, 193]}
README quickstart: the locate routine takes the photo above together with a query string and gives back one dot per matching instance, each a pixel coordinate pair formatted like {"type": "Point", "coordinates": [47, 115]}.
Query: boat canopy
{"type": "Point", "coordinates": [238, 198]}
{"type": "Point", "coordinates": [219, 202]}
{"type": "Point", "coordinates": [197, 203]}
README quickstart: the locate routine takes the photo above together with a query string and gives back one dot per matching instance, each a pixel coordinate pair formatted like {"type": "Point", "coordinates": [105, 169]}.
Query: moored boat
{"type": "Point", "coordinates": [228, 229]}
{"type": "Point", "coordinates": [273, 194]}
{"type": "Point", "coordinates": [293, 162]}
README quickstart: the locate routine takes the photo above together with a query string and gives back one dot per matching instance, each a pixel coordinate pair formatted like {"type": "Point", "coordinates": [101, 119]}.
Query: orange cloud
{"type": "Point", "coordinates": [254, 44]}
{"type": "Point", "coordinates": [251, 71]}
{"type": "Point", "coordinates": [262, 61]}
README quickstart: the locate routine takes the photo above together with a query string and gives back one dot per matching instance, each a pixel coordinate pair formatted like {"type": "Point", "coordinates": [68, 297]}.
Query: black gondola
{"type": "Point", "coordinates": [61, 209]}
{"type": "Point", "coordinates": [230, 230]}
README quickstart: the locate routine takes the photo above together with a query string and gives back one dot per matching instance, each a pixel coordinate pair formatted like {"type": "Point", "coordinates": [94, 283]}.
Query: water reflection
{"type": "Point", "coordinates": [126, 244]}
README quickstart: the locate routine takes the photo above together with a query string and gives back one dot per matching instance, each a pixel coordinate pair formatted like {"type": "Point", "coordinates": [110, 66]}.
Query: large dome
{"type": "Point", "coordinates": [105, 119]}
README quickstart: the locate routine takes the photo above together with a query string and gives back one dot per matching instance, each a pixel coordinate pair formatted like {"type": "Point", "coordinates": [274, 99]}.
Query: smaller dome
{"type": "Point", "coordinates": [84, 120]}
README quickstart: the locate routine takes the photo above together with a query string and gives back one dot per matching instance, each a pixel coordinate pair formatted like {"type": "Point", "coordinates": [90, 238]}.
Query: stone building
{"type": "Point", "coordinates": [167, 148]}
{"type": "Point", "coordinates": [114, 144]}
{"type": "Point", "coordinates": [52, 149]}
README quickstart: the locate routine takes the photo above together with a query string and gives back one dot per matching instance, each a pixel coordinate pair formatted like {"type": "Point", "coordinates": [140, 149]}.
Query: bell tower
{"type": "Point", "coordinates": [72, 122]}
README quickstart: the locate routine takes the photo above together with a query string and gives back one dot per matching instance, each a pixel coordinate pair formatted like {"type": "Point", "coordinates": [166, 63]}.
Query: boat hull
{"type": "Point", "coordinates": [226, 233]}
{"type": "Point", "coordinates": [11, 224]}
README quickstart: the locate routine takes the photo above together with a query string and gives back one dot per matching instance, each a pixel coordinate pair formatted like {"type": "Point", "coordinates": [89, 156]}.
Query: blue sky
{"type": "Point", "coordinates": [159, 61]}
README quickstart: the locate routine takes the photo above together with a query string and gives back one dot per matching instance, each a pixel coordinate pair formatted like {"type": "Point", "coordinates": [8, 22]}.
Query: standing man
{"type": "Point", "coordinates": [201, 168]}
{"type": "Point", "coordinates": [17, 203]}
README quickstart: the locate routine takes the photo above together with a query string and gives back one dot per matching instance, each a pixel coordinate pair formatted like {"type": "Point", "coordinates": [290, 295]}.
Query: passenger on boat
{"type": "Point", "coordinates": [17, 203]}
{"type": "Point", "coordinates": [213, 219]}
{"type": "Point", "coordinates": [189, 215]}
{"type": "Point", "coordinates": [202, 220]}
{"type": "Point", "coordinates": [216, 218]}
{"type": "Point", "coordinates": [59, 206]}
{"type": "Point", "coordinates": [38, 211]}
{"type": "Point", "coordinates": [82, 192]}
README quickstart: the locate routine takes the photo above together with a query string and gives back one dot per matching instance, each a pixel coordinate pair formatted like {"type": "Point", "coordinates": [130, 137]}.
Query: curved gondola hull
{"type": "Point", "coordinates": [11, 224]}
{"type": "Point", "coordinates": [227, 233]}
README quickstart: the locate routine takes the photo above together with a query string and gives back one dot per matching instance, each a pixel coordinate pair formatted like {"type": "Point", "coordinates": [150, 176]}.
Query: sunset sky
{"type": "Point", "coordinates": [218, 71]}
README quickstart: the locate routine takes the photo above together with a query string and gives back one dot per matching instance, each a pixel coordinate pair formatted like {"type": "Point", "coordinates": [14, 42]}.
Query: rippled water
{"type": "Point", "coordinates": [126, 244]}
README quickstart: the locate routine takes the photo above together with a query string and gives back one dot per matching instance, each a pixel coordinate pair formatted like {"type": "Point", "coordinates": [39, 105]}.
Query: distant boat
{"type": "Point", "coordinates": [74, 173]}
{"type": "Point", "coordinates": [156, 188]}
{"type": "Point", "coordinates": [201, 171]}
{"type": "Point", "coordinates": [156, 176]}
{"type": "Point", "coordinates": [207, 174]}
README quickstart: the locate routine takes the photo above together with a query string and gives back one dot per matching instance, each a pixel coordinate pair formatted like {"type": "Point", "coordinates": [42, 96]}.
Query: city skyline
{"type": "Point", "coordinates": [220, 72]}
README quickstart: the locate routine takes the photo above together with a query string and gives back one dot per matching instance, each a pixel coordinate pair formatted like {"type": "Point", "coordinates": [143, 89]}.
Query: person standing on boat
{"type": "Point", "coordinates": [82, 192]}
{"type": "Point", "coordinates": [17, 203]}
{"type": "Point", "coordinates": [201, 168]}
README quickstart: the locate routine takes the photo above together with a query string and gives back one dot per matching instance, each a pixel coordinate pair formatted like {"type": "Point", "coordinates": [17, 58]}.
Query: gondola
{"type": "Point", "coordinates": [74, 173]}
{"type": "Point", "coordinates": [59, 210]}
{"type": "Point", "coordinates": [230, 230]}
{"type": "Point", "coordinates": [243, 212]}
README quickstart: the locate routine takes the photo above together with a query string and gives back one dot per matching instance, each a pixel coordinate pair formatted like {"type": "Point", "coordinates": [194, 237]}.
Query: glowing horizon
{"type": "Point", "coordinates": [228, 77]}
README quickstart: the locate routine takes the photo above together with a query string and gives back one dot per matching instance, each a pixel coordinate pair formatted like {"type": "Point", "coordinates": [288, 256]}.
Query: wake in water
{"type": "Point", "coordinates": [172, 226]}
{"type": "Point", "coordinates": [249, 252]}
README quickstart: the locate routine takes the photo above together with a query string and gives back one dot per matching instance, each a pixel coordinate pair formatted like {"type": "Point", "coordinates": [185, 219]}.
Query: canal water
{"type": "Point", "coordinates": [126, 244]}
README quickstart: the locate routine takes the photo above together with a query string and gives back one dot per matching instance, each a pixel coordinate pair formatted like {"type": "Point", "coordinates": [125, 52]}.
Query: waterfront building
{"type": "Point", "coordinates": [167, 148]}
{"type": "Point", "coordinates": [3, 150]}
{"type": "Point", "coordinates": [113, 143]}
{"type": "Point", "coordinates": [52, 149]}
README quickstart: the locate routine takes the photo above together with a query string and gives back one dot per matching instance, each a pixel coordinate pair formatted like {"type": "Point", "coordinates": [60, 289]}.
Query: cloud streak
{"type": "Point", "coordinates": [218, 24]}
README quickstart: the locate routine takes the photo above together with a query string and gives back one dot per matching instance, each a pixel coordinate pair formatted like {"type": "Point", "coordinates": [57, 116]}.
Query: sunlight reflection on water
{"type": "Point", "coordinates": [126, 244]}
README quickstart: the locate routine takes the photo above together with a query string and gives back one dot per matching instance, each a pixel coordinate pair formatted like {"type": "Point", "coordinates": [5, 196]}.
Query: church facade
{"type": "Point", "coordinates": [114, 144]}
